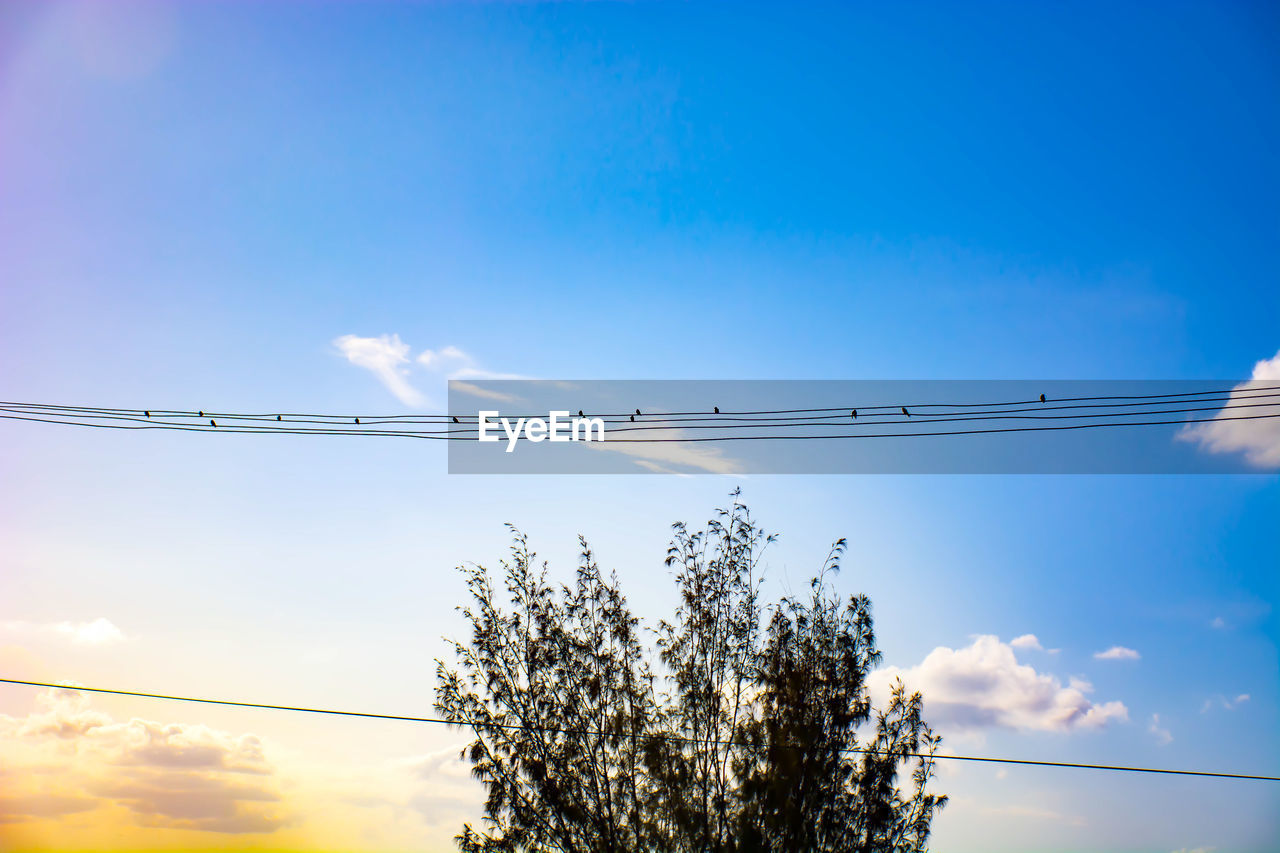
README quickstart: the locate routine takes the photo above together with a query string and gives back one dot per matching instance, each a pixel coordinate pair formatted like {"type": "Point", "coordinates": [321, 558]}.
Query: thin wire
{"type": "Point", "coordinates": [718, 422]}
{"type": "Point", "coordinates": [846, 408]}
{"type": "Point", "coordinates": [470, 434]}
{"type": "Point", "coordinates": [518, 727]}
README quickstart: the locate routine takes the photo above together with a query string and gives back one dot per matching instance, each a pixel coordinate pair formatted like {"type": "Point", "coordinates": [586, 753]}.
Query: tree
{"type": "Point", "coordinates": [741, 736]}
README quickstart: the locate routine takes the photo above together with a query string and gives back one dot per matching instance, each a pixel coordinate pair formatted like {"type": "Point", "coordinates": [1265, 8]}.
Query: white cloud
{"type": "Point", "coordinates": [1162, 734]}
{"type": "Point", "coordinates": [437, 359]}
{"type": "Point", "coordinates": [98, 632]}
{"type": "Point", "coordinates": [1218, 622]}
{"type": "Point", "coordinates": [454, 364]}
{"type": "Point", "coordinates": [385, 356]}
{"type": "Point", "coordinates": [1027, 641]}
{"type": "Point", "coordinates": [653, 455]}
{"type": "Point", "coordinates": [1117, 653]}
{"type": "Point", "coordinates": [1259, 439]}
{"type": "Point", "coordinates": [1225, 703]}
{"type": "Point", "coordinates": [484, 393]}
{"type": "Point", "coordinates": [388, 358]}
{"type": "Point", "coordinates": [1031, 813]}
{"type": "Point", "coordinates": [984, 686]}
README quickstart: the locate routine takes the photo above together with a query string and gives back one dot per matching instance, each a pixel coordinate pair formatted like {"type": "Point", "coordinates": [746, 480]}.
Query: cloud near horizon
{"type": "Point", "coordinates": [166, 776]}
{"type": "Point", "coordinates": [983, 686]}
{"type": "Point", "coordinates": [1257, 439]}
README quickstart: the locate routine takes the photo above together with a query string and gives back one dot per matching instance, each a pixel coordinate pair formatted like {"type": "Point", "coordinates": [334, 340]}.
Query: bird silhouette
{"type": "Point", "coordinates": [637, 411]}
{"type": "Point", "coordinates": [455, 420]}
{"type": "Point", "coordinates": [202, 414]}
{"type": "Point", "coordinates": [854, 414]}
{"type": "Point", "coordinates": [1041, 398]}
{"type": "Point", "coordinates": [148, 414]}
{"type": "Point", "coordinates": [277, 417]}
{"type": "Point", "coordinates": [580, 414]}
{"type": "Point", "coordinates": [212, 422]}
{"type": "Point", "coordinates": [717, 408]}
{"type": "Point", "coordinates": [357, 420]}
{"type": "Point", "coordinates": [905, 412]}
{"type": "Point", "coordinates": [633, 418]}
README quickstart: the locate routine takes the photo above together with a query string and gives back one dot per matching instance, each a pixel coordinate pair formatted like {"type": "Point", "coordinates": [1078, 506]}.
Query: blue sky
{"type": "Point", "coordinates": [196, 200]}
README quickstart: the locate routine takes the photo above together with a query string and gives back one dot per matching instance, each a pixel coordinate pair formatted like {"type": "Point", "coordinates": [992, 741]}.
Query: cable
{"type": "Point", "coordinates": [845, 408]}
{"type": "Point", "coordinates": [518, 727]}
{"type": "Point", "coordinates": [468, 434]}
{"type": "Point", "coordinates": [733, 423]}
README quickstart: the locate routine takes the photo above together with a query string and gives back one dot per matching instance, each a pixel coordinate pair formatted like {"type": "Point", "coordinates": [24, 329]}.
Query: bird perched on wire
{"type": "Point", "coordinates": [1041, 398]}
{"type": "Point", "coordinates": [637, 411]}
{"type": "Point", "coordinates": [854, 414]}
{"type": "Point", "coordinates": [905, 412]}
{"type": "Point", "coordinates": [357, 420]}
{"type": "Point", "coordinates": [202, 413]}
{"type": "Point", "coordinates": [633, 418]}
{"type": "Point", "coordinates": [148, 414]}
{"type": "Point", "coordinates": [455, 419]}
{"type": "Point", "coordinates": [717, 408]}
{"type": "Point", "coordinates": [277, 417]}
{"type": "Point", "coordinates": [212, 422]}
{"type": "Point", "coordinates": [580, 414]}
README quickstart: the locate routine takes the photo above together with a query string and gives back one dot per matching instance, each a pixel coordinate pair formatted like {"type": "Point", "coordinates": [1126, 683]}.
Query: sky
{"type": "Point", "coordinates": [338, 206]}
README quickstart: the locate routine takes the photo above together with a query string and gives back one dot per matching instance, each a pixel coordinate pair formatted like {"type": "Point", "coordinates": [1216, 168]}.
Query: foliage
{"type": "Point", "coordinates": [741, 736]}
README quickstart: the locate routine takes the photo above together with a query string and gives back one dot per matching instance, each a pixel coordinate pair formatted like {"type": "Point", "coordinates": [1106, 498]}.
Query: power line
{"type": "Point", "coordinates": [1238, 393]}
{"type": "Point", "coordinates": [656, 422]}
{"type": "Point", "coordinates": [552, 730]}
{"type": "Point", "coordinates": [471, 434]}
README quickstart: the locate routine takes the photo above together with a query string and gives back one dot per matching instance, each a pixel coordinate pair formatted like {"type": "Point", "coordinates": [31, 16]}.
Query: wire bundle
{"type": "Point", "coordinates": [898, 420]}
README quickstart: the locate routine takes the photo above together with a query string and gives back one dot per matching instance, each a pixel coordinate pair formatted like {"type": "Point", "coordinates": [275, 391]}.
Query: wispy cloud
{"type": "Point", "coordinates": [386, 356]}
{"type": "Point", "coordinates": [392, 362]}
{"type": "Point", "coordinates": [1223, 702]}
{"type": "Point", "coordinates": [96, 632]}
{"type": "Point", "coordinates": [1258, 439]}
{"type": "Point", "coordinates": [484, 393]}
{"type": "Point", "coordinates": [1117, 653]}
{"type": "Point", "coordinates": [1162, 734]}
{"type": "Point", "coordinates": [984, 686]}
{"type": "Point", "coordinates": [667, 457]}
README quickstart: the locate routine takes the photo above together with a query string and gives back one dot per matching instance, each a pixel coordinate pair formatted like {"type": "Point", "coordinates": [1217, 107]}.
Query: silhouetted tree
{"type": "Point", "coordinates": [748, 737]}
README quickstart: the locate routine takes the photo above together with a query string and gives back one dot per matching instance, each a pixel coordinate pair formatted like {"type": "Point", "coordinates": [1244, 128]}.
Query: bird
{"type": "Point", "coordinates": [905, 412]}
{"type": "Point", "coordinates": [580, 414]}
{"type": "Point", "coordinates": [277, 417]}
{"type": "Point", "coordinates": [357, 420]}
{"type": "Point", "coordinates": [633, 418]}
{"type": "Point", "coordinates": [854, 414]}
{"type": "Point", "coordinates": [717, 408]}
{"type": "Point", "coordinates": [637, 411]}
{"type": "Point", "coordinates": [148, 414]}
{"type": "Point", "coordinates": [1041, 398]}
{"type": "Point", "coordinates": [212, 422]}
{"type": "Point", "coordinates": [202, 414]}
{"type": "Point", "coordinates": [455, 419]}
